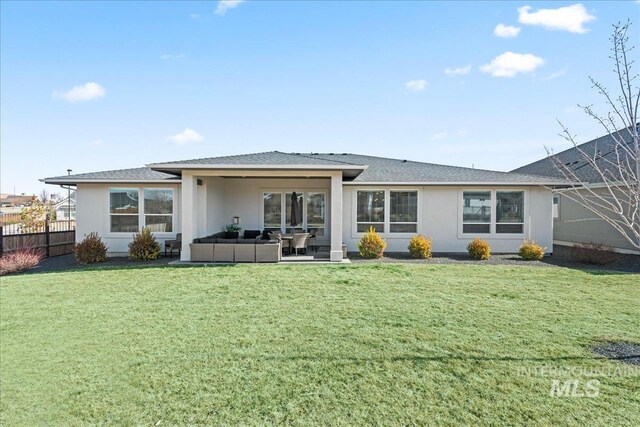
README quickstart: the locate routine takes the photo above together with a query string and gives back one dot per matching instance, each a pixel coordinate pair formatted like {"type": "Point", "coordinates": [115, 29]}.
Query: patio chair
{"type": "Point", "coordinates": [299, 241]}
{"type": "Point", "coordinates": [311, 242]}
{"type": "Point", "coordinates": [171, 245]}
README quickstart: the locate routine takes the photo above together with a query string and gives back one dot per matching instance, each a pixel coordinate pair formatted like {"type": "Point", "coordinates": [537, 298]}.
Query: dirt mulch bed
{"type": "Point", "coordinates": [560, 258]}
{"type": "Point", "coordinates": [622, 351]}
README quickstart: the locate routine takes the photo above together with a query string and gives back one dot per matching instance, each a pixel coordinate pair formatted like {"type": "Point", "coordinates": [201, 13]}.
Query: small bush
{"type": "Point", "coordinates": [531, 251]}
{"type": "Point", "coordinates": [144, 246]}
{"type": "Point", "coordinates": [479, 249]}
{"type": "Point", "coordinates": [90, 250]}
{"type": "Point", "coordinates": [420, 247]}
{"type": "Point", "coordinates": [593, 253]}
{"type": "Point", "coordinates": [371, 245]}
{"type": "Point", "coordinates": [20, 260]}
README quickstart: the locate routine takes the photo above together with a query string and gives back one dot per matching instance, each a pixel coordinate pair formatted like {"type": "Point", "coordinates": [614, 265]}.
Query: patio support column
{"type": "Point", "coordinates": [188, 214]}
{"type": "Point", "coordinates": [336, 217]}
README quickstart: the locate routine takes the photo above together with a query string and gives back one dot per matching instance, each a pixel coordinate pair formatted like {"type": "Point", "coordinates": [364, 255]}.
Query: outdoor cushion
{"type": "Point", "coordinates": [247, 241]}
{"type": "Point", "coordinates": [251, 234]}
{"type": "Point", "coordinates": [219, 240]}
{"type": "Point", "coordinates": [206, 240]}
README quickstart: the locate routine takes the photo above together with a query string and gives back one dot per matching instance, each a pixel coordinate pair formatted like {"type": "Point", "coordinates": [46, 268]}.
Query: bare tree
{"type": "Point", "coordinates": [44, 196]}
{"type": "Point", "coordinates": [613, 195]}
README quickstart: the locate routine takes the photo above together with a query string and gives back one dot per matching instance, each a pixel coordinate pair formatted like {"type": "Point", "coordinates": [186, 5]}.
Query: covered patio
{"type": "Point", "coordinates": [265, 202]}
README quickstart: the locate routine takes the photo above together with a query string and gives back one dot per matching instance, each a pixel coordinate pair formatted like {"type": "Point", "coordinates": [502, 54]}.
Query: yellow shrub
{"type": "Point", "coordinates": [144, 246]}
{"type": "Point", "coordinates": [371, 245]}
{"type": "Point", "coordinates": [530, 251]}
{"type": "Point", "coordinates": [479, 249]}
{"type": "Point", "coordinates": [420, 247]}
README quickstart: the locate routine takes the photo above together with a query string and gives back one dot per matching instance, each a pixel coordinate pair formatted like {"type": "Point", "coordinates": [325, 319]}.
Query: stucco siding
{"type": "Point", "coordinates": [576, 224]}
{"type": "Point", "coordinates": [93, 215]}
{"type": "Point", "coordinates": [439, 217]}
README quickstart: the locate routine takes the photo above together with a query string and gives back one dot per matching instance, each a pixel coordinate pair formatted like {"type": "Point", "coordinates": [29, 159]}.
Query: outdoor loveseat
{"type": "Point", "coordinates": [217, 248]}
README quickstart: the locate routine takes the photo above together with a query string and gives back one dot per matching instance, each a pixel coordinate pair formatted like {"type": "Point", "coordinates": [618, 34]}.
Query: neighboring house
{"type": "Point", "coordinates": [342, 195]}
{"type": "Point", "coordinates": [66, 208]}
{"type": "Point", "coordinates": [574, 223]}
{"type": "Point", "coordinates": [12, 200]}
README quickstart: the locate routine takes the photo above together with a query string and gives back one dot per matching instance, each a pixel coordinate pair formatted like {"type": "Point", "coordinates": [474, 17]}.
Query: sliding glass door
{"type": "Point", "coordinates": [306, 211]}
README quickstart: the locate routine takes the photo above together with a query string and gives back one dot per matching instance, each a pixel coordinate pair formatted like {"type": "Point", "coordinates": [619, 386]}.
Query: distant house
{"type": "Point", "coordinates": [573, 223]}
{"type": "Point", "coordinates": [13, 200]}
{"type": "Point", "coordinates": [66, 208]}
{"type": "Point", "coordinates": [338, 197]}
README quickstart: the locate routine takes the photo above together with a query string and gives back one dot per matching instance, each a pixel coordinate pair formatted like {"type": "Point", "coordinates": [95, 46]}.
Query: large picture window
{"type": "Point", "coordinates": [132, 208]}
{"type": "Point", "coordinates": [509, 212]}
{"type": "Point", "coordinates": [158, 209]}
{"type": "Point", "coordinates": [476, 212]}
{"type": "Point", "coordinates": [272, 203]}
{"type": "Point", "coordinates": [481, 215]}
{"type": "Point", "coordinates": [123, 210]}
{"type": "Point", "coordinates": [403, 211]}
{"type": "Point", "coordinates": [370, 211]}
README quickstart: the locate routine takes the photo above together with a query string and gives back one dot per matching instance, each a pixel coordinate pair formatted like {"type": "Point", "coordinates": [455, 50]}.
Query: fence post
{"type": "Point", "coordinates": [1, 240]}
{"type": "Point", "coordinates": [46, 235]}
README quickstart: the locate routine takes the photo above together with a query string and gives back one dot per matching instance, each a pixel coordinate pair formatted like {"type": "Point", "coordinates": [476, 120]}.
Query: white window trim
{"type": "Point", "coordinates": [283, 218]}
{"type": "Point", "coordinates": [386, 233]}
{"type": "Point", "coordinates": [141, 214]}
{"type": "Point", "coordinates": [494, 201]}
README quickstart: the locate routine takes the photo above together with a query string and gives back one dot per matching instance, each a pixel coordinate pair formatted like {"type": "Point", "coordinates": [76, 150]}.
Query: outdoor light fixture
{"type": "Point", "coordinates": [236, 220]}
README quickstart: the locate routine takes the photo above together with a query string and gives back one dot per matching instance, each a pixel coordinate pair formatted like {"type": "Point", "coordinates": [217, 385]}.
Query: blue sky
{"type": "Point", "coordinates": [363, 77]}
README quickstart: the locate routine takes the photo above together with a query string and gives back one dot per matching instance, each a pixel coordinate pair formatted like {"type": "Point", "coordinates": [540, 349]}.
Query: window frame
{"type": "Point", "coordinates": [386, 233]}
{"type": "Point", "coordinates": [555, 207]}
{"type": "Point", "coordinates": [305, 198]}
{"type": "Point", "coordinates": [492, 213]}
{"type": "Point", "coordinates": [141, 214]}
{"type": "Point", "coordinates": [494, 203]}
{"type": "Point", "coordinates": [385, 211]}
{"type": "Point", "coordinates": [510, 223]}
{"type": "Point", "coordinates": [416, 222]}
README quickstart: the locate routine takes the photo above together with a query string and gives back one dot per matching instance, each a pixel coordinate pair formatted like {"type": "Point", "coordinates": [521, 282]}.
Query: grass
{"type": "Point", "coordinates": [391, 344]}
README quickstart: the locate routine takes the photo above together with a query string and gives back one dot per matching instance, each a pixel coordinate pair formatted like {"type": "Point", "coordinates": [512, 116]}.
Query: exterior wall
{"type": "Point", "coordinates": [92, 206]}
{"type": "Point", "coordinates": [440, 218]}
{"type": "Point", "coordinates": [576, 224]}
{"type": "Point", "coordinates": [242, 197]}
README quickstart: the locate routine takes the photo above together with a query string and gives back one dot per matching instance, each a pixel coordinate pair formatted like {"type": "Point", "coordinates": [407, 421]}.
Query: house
{"type": "Point", "coordinates": [341, 195]}
{"type": "Point", "coordinates": [572, 222]}
{"type": "Point", "coordinates": [66, 208]}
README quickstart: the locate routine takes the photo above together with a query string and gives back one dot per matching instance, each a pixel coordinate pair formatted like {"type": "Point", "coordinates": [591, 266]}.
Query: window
{"type": "Point", "coordinates": [403, 214]}
{"type": "Point", "coordinates": [555, 212]}
{"type": "Point", "coordinates": [123, 210]}
{"type": "Point", "coordinates": [310, 212]}
{"type": "Point", "coordinates": [370, 211]}
{"type": "Point", "coordinates": [316, 210]}
{"type": "Point", "coordinates": [158, 209]}
{"type": "Point", "coordinates": [272, 203]}
{"type": "Point", "coordinates": [476, 212]}
{"type": "Point", "coordinates": [509, 212]}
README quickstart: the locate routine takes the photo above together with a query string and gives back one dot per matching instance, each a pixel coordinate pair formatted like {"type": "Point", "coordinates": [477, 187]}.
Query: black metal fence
{"type": "Point", "coordinates": [52, 237]}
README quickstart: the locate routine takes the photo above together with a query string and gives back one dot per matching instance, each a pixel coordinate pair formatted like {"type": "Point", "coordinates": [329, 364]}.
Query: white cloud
{"type": "Point", "coordinates": [557, 74]}
{"type": "Point", "coordinates": [224, 5]}
{"type": "Point", "coordinates": [194, 16]}
{"type": "Point", "coordinates": [568, 18]}
{"type": "Point", "coordinates": [509, 64]}
{"type": "Point", "coordinates": [168, 56]}
{"type": "Point", "coordinates": [86, 92]}
{"type": "Point", "coordinates": [186, 136]}
{"type": "Point", "coordinates": [506, 31]}
{"type": "Point", "coordinates": [439, 136]}
{"type": "Point", "coordinates": [460, 71]}
{"type": "Point", "coordinates": [96, 143]}
{"type": "Point", "coordinates": [416, 85]}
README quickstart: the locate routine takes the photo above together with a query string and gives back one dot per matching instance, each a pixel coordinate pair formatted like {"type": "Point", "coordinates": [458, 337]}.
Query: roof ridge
{"type": "Point", "coordinates": [308, 156]}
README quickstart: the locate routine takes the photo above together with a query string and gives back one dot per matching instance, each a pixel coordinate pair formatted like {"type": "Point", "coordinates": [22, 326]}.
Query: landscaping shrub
{"type": "Point", "coordinates": [144, 246]}
{"type": "Point", "coordinates": [420, 247]}
{"type": "Point", "coordinates": [531, 251]}
{"type": "Point", "coordinates": [479, 249]}
{"type": "Point", "coordinates": [371, 245]}
{"type": "Point", "coordinates": [20, 260]}
{"type": "Point", "coordinates": [90, 250]}
{"type": "Point", "coordinates": [593, 253]}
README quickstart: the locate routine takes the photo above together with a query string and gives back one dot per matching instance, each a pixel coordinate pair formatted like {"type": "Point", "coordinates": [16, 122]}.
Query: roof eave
{"type": "Point", "coordinates": [71, 181]}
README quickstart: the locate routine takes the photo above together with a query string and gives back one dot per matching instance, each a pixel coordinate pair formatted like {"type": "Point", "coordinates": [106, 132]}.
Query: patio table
{"type": "Point", "coordinates": [286, 240]}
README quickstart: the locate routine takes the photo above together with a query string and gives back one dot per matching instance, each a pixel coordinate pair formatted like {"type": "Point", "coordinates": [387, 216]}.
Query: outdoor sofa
{"type": "Point", "coordinates": [249, 248]}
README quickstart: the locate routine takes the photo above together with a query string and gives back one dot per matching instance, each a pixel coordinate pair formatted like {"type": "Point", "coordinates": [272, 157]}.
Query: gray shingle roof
{"type": "Point", "coordinates": [265, 159]}
{"type": "Point", "coordinates": [361, 169]}
{"type": "Point", "coordinates": [575, 161]}
{"type": "Point", "coordinates": [136, 174]}
{"type": "Point", "coordinates": [385, 170]}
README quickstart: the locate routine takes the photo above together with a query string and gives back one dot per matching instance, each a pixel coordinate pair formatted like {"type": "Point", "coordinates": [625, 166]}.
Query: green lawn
{"type": "Point", "coordinates": [391, 344]}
